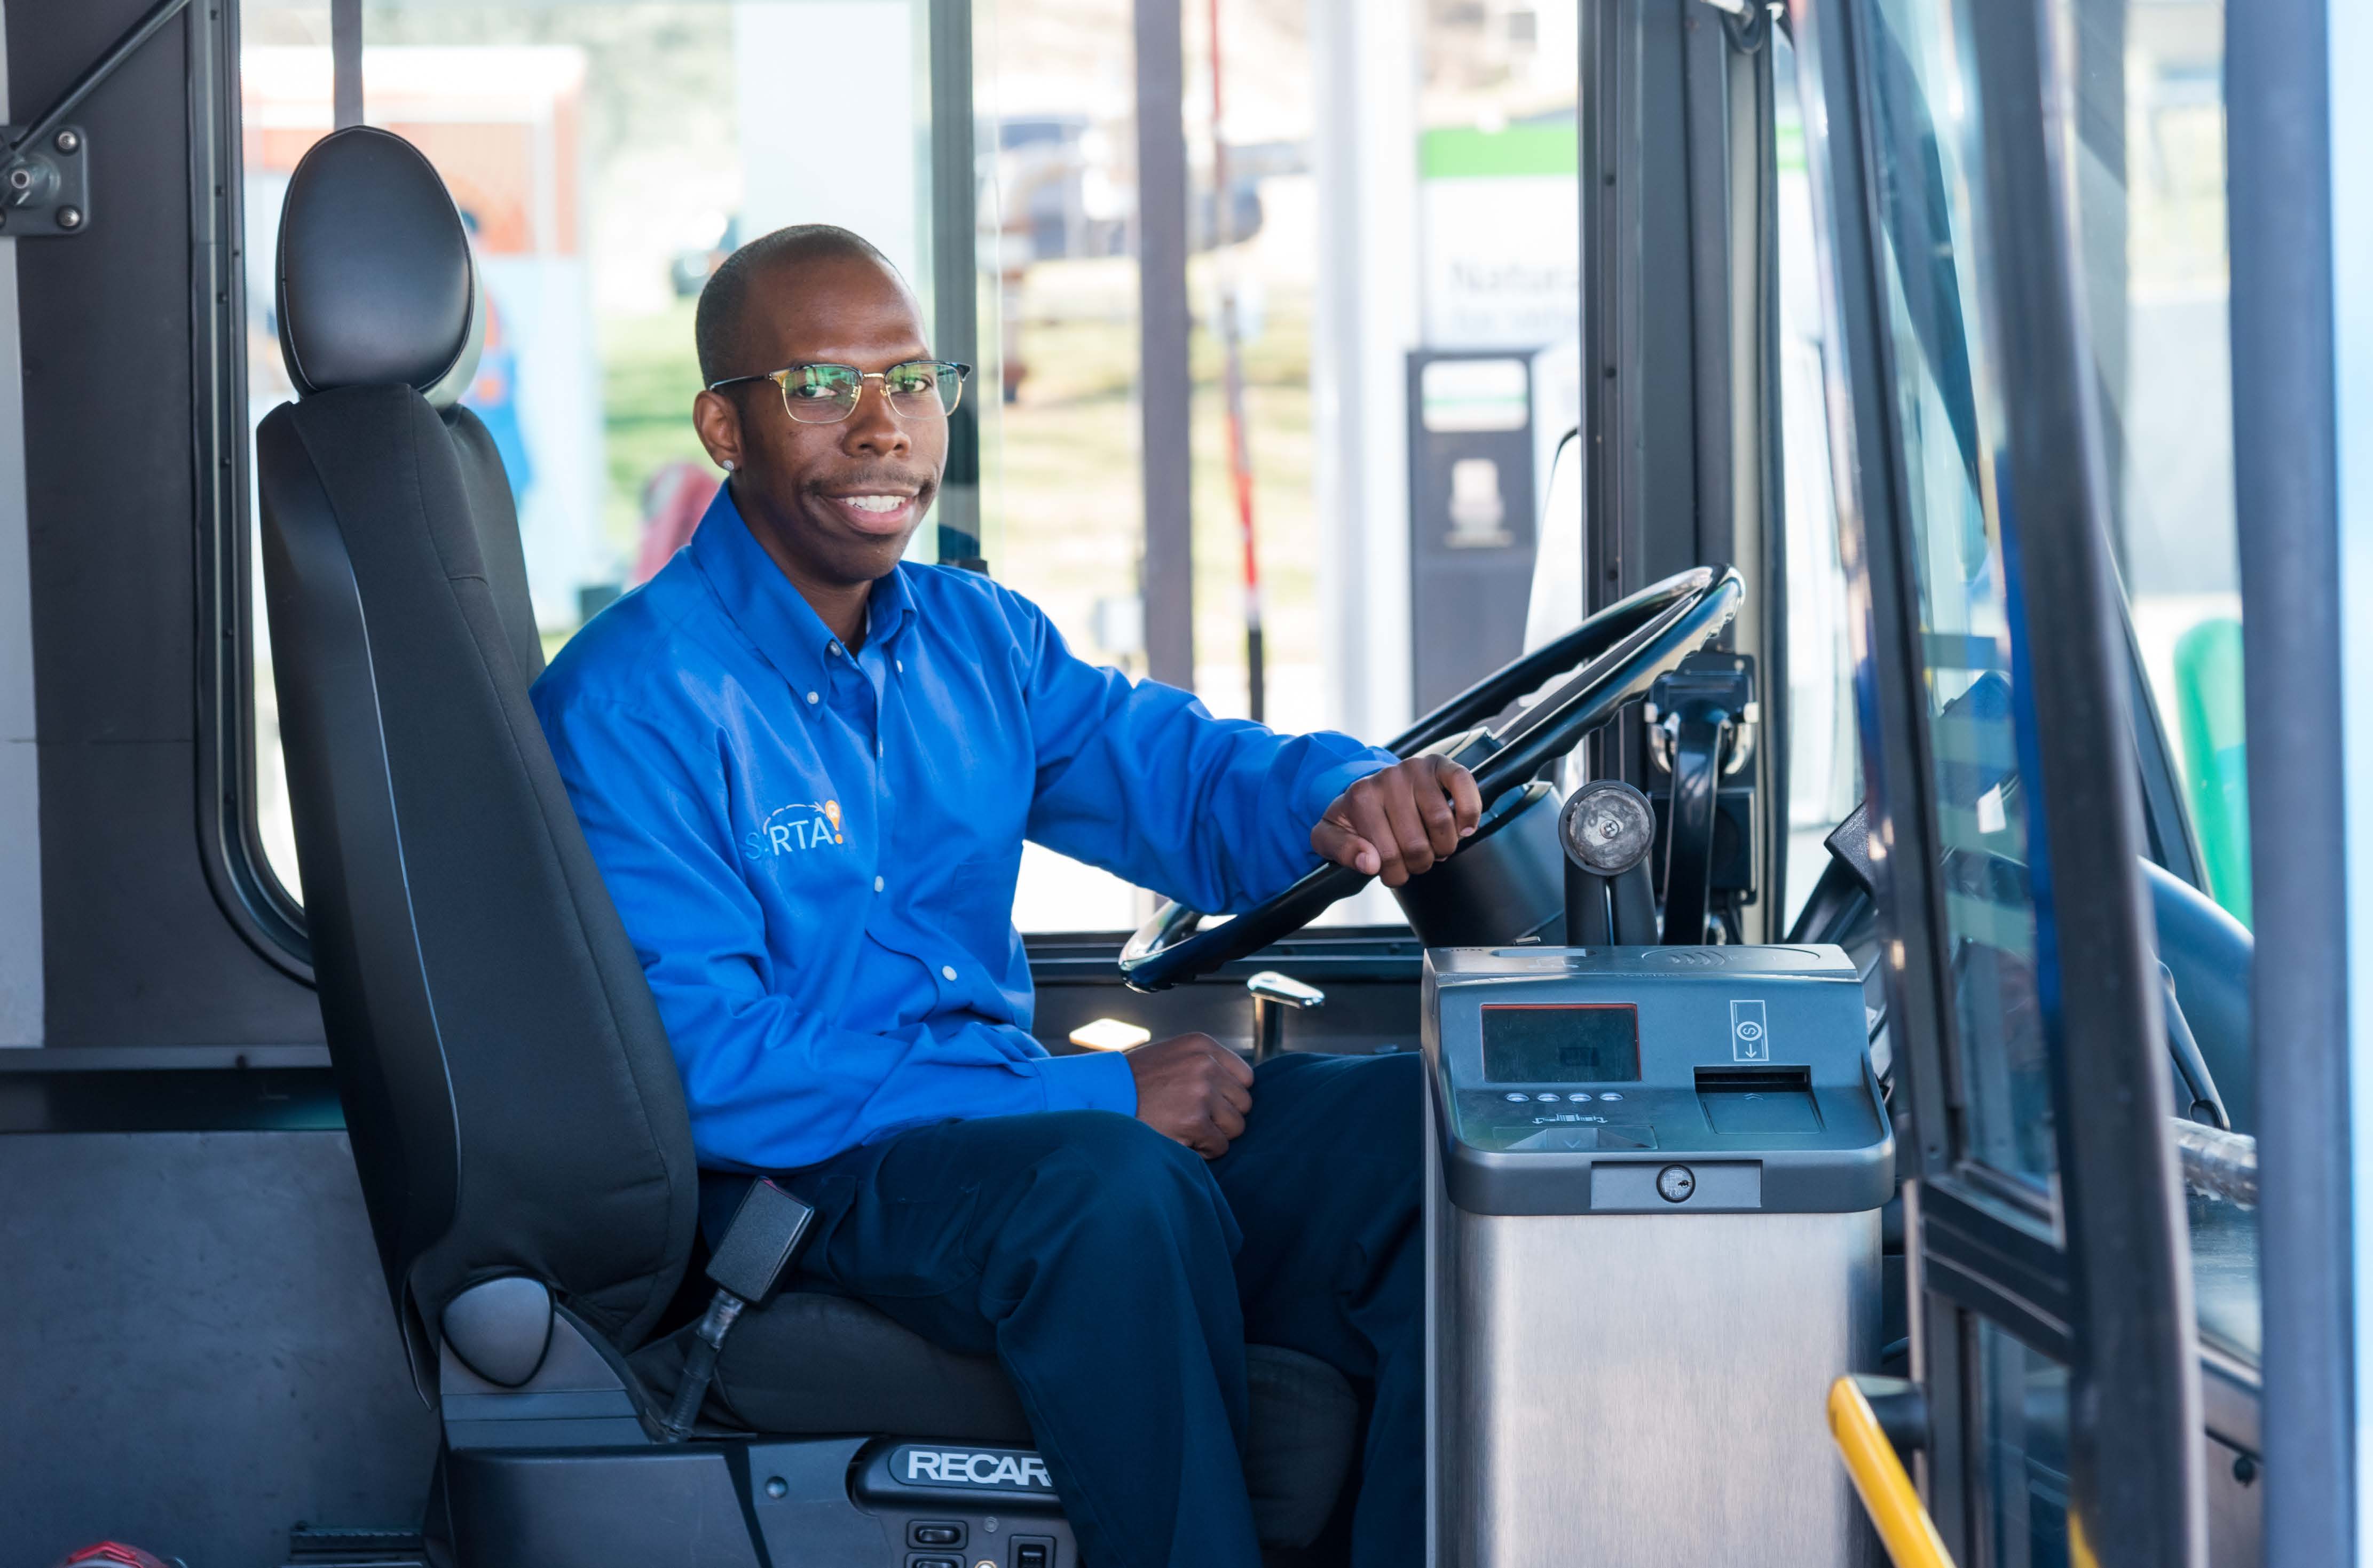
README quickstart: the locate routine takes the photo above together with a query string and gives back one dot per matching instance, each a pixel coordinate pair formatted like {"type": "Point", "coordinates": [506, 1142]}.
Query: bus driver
{"type": "Point", "coordinates": [806, 767]}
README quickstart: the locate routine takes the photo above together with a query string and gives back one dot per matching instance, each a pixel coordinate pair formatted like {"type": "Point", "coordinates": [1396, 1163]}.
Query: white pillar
{"type": "Point", "coordinates": [1363, 53]}
{"type": "Point", "coordinates": [855, 65]}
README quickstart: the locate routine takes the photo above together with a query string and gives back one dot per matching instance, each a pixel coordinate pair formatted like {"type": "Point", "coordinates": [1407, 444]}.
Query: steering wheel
{"type": "Point", "coordinates": [1611, 659]}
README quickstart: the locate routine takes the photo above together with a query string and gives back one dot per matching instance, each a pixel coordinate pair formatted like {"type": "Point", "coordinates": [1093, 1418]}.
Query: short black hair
{"type": "Point", "coordinates": [716, 331]}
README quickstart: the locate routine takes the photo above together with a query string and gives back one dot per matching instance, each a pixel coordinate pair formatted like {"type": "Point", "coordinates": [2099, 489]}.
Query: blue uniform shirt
{"type": "Point", "coordinates": [814, 850]}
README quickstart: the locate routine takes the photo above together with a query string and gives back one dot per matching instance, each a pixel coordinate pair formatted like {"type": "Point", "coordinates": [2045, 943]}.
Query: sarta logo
{"type": "Point", "coordinates": [789, 830]}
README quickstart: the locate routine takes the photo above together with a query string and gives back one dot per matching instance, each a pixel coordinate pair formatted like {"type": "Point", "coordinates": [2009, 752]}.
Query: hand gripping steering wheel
{"type": "Point", "coordinates": [1611, 659]}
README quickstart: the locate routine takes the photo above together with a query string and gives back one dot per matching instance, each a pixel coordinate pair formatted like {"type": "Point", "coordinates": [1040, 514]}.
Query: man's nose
{"type": "Point", "coordinates": [871, 427]}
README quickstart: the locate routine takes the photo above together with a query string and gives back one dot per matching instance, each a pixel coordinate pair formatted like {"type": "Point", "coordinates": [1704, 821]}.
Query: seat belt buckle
{"type": "Point", "coordinates": [757, 1250]}
{"type": "Point", "coordinates": [762, 1241]}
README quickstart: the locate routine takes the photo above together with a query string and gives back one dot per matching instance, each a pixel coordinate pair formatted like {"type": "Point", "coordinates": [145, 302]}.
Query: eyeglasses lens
{"type": "Point", "coordinates": [821, 394]}
{"type": "Point", "coordinates": [825, 394]}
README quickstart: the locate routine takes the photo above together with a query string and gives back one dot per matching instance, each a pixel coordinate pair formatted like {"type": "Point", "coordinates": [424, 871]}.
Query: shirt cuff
{"type": "Point", "coordinates": [1094, 1080]}
{"type": "Point", "coordinates": [1321, 789]}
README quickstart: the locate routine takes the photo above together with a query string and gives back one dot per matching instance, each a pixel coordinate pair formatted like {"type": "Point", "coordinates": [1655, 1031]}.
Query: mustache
{"type": "Point", "coordinates": [917, 482]}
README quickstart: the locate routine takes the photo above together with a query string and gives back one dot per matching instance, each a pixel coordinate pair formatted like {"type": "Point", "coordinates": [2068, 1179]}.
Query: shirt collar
{"type": "Point", "coordinates": [772, 613]}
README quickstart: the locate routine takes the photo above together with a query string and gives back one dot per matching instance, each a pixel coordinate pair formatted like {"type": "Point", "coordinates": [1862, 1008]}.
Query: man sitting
{"type": "Point", "coordinates": [806, 769]}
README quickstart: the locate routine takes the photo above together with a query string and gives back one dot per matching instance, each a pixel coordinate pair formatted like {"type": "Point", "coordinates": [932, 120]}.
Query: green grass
{"type": "Point", "coordinates": [1074, 513]}
{"type": "Point", "coordinates": [649, 378]}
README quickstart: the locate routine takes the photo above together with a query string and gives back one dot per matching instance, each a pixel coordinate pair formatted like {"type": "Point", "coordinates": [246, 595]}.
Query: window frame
{"type": "Point", "coordinates": [2103, 1246]}
{"type": "Point", "coordinates": [262, 910]}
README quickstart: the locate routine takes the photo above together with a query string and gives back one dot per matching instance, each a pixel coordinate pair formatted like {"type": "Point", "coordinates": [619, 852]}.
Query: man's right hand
{"type": "Point", "coordinates": [1194, 1090]}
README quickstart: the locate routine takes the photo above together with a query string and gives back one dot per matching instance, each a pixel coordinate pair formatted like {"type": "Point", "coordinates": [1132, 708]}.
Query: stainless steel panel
{"type": "Point", "coordinates": [1713, 1184]}
{"type": "Point", "coordinates": [1639, 1391]}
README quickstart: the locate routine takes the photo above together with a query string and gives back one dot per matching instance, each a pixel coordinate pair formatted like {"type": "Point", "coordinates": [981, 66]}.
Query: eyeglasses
{"type": "Point", "coordinates": [826, 394]}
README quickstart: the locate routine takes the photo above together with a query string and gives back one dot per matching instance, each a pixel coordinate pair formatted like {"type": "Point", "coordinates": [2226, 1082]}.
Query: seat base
{"type": "Point", "coordinates": [712, 1504]}
{"type": "Point", "coordinates": [807, 1364]}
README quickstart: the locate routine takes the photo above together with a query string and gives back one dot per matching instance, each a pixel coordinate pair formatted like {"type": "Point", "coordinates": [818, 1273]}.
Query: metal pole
{"type": "Point", "coordinates": [1164, 321]}
{"type": "Point", "coordinates": [955, 279]}
{"type": "Point", "coordinates": [2286, 503]}
{"type": "Point", "coordinates": [345, 63]}
{"type": "Point", "coordinates": [1232, 355]}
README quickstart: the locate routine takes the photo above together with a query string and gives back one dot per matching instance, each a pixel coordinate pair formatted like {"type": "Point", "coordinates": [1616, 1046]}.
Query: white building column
{"type": "Point", "coordinates": [1364, 55]}
{"type": "Point", "coordinates": [857, 64]}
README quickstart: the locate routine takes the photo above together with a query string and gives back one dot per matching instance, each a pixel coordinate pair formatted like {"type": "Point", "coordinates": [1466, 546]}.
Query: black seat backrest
{"type": "Point", "coordinates": [509, 1089]}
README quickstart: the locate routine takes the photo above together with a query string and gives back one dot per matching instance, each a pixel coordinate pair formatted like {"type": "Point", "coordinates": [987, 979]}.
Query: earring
{"type": "Point", "coordinates": [728, 465]}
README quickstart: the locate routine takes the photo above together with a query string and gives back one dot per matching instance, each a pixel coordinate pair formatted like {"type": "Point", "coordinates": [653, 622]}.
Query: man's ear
{"type": "Point", "coordinates": [719, 424]}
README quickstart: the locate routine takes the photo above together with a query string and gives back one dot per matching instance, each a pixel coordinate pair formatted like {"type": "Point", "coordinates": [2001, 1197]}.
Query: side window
{"type": "Point", "coordinates": [284, 91]}
{"type": "Point", "coordinates": [1824, 756]}
{"type": "Point", "coordinates": [605, 157]}
{"type": "Point", "coordinates": [1947, 431]}
{"type": "Point", "coordinates": [2150, 218]}
{"type": "Point", "coordinates": [2150, 211]}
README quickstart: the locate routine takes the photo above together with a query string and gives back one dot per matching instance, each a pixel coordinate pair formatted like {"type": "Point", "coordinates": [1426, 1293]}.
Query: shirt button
{"type": "Point", "coordinates": [877, 749]}
{"type": "Point", "coordinates": [877, 884]}
{"type": "Point", "coordinates": [833, 648]}
{"type": "Point", "coordinates": [812, 697]}
{"type": "Point", "coordinates": [901, 664]}
{"type": "Point", "coordinates": [947, 971]}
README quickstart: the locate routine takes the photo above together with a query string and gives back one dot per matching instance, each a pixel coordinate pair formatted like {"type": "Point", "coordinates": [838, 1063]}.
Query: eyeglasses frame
{"type": "Point", "coordinates": [782, 380]}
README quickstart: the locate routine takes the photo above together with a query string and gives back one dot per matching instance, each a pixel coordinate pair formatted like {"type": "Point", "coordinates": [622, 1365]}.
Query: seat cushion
{"type": "Point", "coordinates": [809, 1363]}
{"type": "Point", "coordinates": [812, 1364]}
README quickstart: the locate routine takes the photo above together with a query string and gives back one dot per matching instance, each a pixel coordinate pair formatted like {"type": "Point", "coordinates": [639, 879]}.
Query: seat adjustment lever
{"type": "Point", "coordinates": [1272, 994]}
{"type": "Point", "coordinates": [758, 1250]}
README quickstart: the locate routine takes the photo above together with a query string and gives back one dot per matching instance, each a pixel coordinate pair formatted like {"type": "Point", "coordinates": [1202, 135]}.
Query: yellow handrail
{"type": "Point", "coordinates": [1911, 1539]}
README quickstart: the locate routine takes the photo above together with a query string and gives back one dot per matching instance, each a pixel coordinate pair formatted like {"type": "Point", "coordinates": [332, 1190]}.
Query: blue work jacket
{"type": "Point", "coordinates": [815, 850]}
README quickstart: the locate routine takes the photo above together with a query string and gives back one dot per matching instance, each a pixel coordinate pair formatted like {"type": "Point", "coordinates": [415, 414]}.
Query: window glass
{"type": "Point", "coordinates": [1824, 761]}
{"type": "Point", "coordinates": [607, 155]}
{"type": "Point", "coordinates": [2150, 212]}
{"type": "Point", "coordinates": [2023, 1416]}
{"type": "Point", "coordinates": [284, 93]}
{"type": "Point", "coordinates": [604, 158]}
{"type": "Point", "coordinates": [1926, 130]}
{"type": "Point", "coordinates": [2150, 218]}
{"type": "Point", "coordinates": [1058, 82]}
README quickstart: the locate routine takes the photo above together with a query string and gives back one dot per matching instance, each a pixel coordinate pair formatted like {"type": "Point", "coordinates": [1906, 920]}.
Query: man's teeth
{"type": "Point", "coordinates": [875, 503]}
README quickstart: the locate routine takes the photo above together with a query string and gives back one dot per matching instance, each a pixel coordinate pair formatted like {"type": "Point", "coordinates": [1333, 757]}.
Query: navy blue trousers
{"type": "Point", "coordinates": [1117, 1275]}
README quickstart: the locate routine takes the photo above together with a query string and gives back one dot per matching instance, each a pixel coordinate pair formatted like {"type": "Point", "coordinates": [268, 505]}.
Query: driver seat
{"type": "Point", "coordinates": [516, 1117]}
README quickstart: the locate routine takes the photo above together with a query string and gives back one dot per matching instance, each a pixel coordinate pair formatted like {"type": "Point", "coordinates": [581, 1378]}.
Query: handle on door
{"type": "Point", "coordinates": [1894, 1507]}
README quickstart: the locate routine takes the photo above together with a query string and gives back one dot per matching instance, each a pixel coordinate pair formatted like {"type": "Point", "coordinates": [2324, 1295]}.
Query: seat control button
{"type": "Point", "coordinates": [936, 1535]}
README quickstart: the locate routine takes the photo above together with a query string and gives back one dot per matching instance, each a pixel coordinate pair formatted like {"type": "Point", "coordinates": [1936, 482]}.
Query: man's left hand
{"type": "Point", "coordinates": [1394, 824]}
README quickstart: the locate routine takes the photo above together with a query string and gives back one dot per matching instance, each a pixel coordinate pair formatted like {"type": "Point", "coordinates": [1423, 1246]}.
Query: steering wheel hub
{"type": "Point", "coordinates": [1607, 827]}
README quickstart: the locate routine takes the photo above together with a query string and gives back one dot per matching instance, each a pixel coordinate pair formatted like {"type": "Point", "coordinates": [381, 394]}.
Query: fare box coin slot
{"type": "Point", "coordinates": [1741, 1101]}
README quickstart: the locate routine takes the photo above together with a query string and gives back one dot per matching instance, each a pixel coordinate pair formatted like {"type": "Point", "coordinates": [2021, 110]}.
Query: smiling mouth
{"type": "Point", "coordinates": [876, 511]}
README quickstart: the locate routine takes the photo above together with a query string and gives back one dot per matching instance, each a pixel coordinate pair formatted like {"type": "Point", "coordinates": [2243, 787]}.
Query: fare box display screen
{"type": "Point", "coordinates": [1561, 1043]}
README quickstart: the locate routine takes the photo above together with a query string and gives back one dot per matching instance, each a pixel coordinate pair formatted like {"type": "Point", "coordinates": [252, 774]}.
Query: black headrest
{"type": "Point", "coordinates": [376, 286]}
